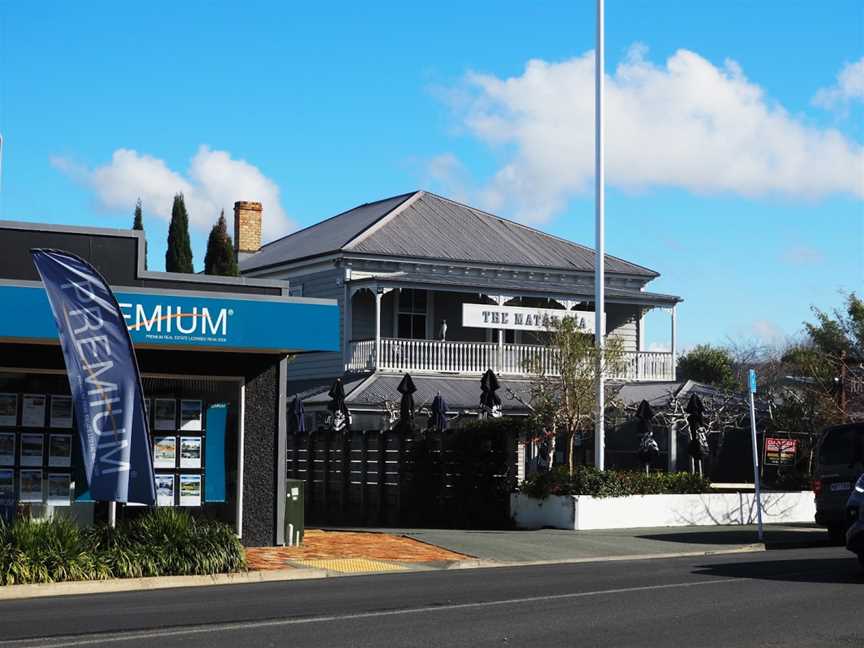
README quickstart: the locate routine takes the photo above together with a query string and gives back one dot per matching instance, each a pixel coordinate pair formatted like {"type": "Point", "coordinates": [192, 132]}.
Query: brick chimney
{"type": "Point", "coordinates": [247, 228]}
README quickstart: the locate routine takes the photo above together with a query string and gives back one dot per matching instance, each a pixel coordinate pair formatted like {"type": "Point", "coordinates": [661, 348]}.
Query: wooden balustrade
{"type": "Point", "coordinates": [436, 356]}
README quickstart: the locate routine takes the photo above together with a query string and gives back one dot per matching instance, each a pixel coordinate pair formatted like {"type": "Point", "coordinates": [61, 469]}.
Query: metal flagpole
{"type": "Point", "coordinates": [112, 514]}
{"type": "Point", "coordinates": [599, 256]}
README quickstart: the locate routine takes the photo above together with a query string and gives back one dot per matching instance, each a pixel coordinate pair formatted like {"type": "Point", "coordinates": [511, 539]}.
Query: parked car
{"type": "Point", "coordinates": [855, 518]}
{"type": "Point", "coordinates": [839, 464]}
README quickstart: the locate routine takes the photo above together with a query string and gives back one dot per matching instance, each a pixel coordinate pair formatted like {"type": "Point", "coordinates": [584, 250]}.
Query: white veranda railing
{"type": "Point", "coordinates": [436, 356]}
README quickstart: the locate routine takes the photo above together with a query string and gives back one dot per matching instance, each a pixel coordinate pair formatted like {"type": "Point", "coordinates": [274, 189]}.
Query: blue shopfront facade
{"type": "Point", "coordinates": [213, 354]}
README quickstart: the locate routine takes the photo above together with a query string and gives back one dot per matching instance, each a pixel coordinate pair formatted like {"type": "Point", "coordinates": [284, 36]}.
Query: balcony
{"type": "Point", "coordinates": [436, 356]}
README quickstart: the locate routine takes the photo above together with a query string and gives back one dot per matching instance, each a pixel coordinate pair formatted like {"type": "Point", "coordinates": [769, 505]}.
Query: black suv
{"type": "Point", "coordinates": [839, 464]}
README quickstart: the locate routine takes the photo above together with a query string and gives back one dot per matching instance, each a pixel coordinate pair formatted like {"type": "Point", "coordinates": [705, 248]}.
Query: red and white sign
{"type": "Point", "coordinates": [779, 451]}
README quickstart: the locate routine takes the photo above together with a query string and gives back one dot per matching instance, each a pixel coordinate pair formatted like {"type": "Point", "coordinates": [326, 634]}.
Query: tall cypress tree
{"type": "Point", "coordinates": [178, 256]}
{"type": "Point", "coordinates": [138, 224]}
{"type": "Point", "coordinates": [220, 251]}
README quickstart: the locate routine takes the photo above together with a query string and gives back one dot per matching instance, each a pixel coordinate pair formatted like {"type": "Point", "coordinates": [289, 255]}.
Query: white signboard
{"type": "Point", "coordinates": [521, 318]}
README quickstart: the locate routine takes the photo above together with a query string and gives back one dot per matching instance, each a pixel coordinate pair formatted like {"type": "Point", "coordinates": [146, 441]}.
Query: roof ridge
{"type": "Point", "coordinates": [342, 213]}
{"type": "Point", "coordinates": [537, 231]}
{"type": "Point", "coordinates": [382, 220]}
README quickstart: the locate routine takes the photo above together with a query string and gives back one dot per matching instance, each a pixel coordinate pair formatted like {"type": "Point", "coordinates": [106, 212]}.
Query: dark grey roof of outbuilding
{"type": "Point", "coordinates": [371, 392]}
{"type": "Point", "coordinates": [423, 225]}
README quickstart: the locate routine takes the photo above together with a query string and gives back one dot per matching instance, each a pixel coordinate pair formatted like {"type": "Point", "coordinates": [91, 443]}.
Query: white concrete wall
{"type": "Point", "coordinates": [584, 512]}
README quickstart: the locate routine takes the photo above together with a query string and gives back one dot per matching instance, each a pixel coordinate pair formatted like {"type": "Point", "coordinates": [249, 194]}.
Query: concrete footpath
{"type": "Point", "coordinates": [552, 545]}
{"type": "Point", "coordinates": [343, 552]}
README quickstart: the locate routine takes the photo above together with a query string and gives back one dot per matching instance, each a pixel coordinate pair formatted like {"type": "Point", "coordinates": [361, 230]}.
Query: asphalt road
{"type": "Point", "coordinates": [811, 597]}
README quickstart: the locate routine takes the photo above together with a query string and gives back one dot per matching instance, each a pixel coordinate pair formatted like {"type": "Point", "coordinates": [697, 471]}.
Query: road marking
{"type": "Point", "coordinates": [80, 640]}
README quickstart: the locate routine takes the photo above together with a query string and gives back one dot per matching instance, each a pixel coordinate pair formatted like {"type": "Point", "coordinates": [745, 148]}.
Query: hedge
{"type": "Point", "coordinates": [587, 480]}
{"type": "Point", "coordinates": [161, 542]}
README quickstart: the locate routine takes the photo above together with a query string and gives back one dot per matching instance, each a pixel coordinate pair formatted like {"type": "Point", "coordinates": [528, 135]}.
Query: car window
{"type": "Point", "coordinates": [842, 446]}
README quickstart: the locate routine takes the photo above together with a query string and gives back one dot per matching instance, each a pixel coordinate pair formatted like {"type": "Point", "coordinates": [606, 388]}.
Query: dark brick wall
{"type": "Point", "coordinates": [261, 425]}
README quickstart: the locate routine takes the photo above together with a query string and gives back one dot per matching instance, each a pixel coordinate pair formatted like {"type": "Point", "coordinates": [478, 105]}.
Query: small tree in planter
{"type": "Point", "coordinates": [563, 401]}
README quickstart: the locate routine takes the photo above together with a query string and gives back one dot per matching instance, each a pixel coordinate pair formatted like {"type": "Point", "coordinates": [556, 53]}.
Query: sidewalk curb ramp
{"type": "Point", "coordinates": [75, 588]}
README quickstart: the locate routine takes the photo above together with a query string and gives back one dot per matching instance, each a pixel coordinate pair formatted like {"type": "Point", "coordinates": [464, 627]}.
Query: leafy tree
{"type": "Point", "coordinates": [828, 366]}
{"type": "Point", "coordinates": [219, 259]}
{"type": "Point", "coordinates": [708, 364]}
{"type": "Point", "coordinates": [138, 224]}
{"type": "Point", "coordinates": [178, 256]}
{"type": "Point", "coordinates": [563, 395]}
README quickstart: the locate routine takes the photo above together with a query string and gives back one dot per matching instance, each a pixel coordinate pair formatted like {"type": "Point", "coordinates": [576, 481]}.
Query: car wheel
{"type": "Point", "coordinates": [837, 533]}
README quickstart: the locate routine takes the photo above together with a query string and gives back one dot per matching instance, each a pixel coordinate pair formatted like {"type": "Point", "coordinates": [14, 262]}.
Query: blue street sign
{"type": "Point", "coordinates": [752, 381]}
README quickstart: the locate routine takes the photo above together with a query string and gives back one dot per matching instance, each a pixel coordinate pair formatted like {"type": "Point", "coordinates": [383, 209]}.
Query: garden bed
{"type": "Point", "coordinates": [160, 542]}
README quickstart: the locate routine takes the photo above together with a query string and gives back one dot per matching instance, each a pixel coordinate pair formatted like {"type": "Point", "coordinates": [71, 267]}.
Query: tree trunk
{"type": "Point", "coordinates": [571, 439]}
{"type": "Point", "coordinates": [551, 457]}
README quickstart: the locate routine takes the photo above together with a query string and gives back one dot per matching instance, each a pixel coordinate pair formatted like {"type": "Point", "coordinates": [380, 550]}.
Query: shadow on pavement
{"type": "Point", "coordinates": [820, 570]}
{"type": "Point", "coordinates": [774, 539]}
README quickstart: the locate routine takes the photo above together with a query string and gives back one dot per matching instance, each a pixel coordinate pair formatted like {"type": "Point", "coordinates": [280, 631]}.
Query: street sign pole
{"type": "Point", "coordinates": [752, 390]}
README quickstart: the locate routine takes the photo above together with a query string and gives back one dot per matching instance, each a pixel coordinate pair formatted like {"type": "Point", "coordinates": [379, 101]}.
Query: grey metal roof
{"type": "Point", "coordinates": [328, 236]}
{"type": "Point", "coordinates": [432, 227]}
{"type": "Point", "coordinates": [657, 394]}
{"type": "Point", "coordinates": [519, 286]}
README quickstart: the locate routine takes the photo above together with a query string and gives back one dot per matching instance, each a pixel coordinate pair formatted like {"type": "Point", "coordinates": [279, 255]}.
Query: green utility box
{"type": "Point", "coordinates": [294, 512]}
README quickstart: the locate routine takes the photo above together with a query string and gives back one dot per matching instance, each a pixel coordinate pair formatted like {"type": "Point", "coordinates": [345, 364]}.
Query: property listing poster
{"type": "Point", "coordinates": [7, 448]}
{"type": "Point", "coordinates": [8, 409]}
{"type": "Point", "coordinates": [61, 411]}
{"type": "Point", "coordinates": [165, 414]}
{"type": "Point", "coordinates": [190, 490]}
{"type": "Point", "coordinates": [7, 486]}
{"type": "Point", "coordinates": [164, 452]}
{"type": "Point", "coordinates": [33, 410]}
{"type": "Point", "coordinates": [31, 449]}
{"type": "Point", "coordinates": [165, 490]}
{"type": "Point", "coordinates": [31, 486]}
{"type": "Point", "coordinates": [190, 415]}
{"type": "Point", "coordinates": [190, 452]}
{"type": "Point", "coordinates": [60, 450]}
{"type": "Point", "coordinates": [59, 489]}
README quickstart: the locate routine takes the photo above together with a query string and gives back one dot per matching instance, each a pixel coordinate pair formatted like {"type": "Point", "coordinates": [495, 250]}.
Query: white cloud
{"type": "Point", "coordinates": [687, 124]}
{"type": "Point", "coordinates": [660, 346]}
{"type": "Point", "coordinates": [768, 333]}
{"type": "Point", "coordinates": [214, 181]}
{"type": "Point", "coordinates": [849, 88]}
{"type": "Point", "coordinates": [802, 255]}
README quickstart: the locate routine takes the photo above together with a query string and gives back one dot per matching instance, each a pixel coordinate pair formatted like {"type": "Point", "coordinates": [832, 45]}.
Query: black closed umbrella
{"type": "Point", "coordinates": [297, 418]}
{"type": "Point", "coordinates": [698, 446]}
{"type": "Point", "coordinates": [438, 419]}
{"type": "Point", "coordinates": [648, 448]}
{"type": "Point", "coordinates": [406, 404]}
{"type": "Point", "coordinates": [489, 400]}
{"type": "Point", "coordinates": [340, 418]}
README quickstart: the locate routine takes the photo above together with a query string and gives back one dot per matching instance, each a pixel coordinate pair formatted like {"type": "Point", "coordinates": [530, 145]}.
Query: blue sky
{"type": "Point", "coordinates": [741, 182]}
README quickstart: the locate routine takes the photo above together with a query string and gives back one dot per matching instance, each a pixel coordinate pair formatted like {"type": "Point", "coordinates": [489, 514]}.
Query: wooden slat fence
{"type": "Point", "coordinates": [387, 478]}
